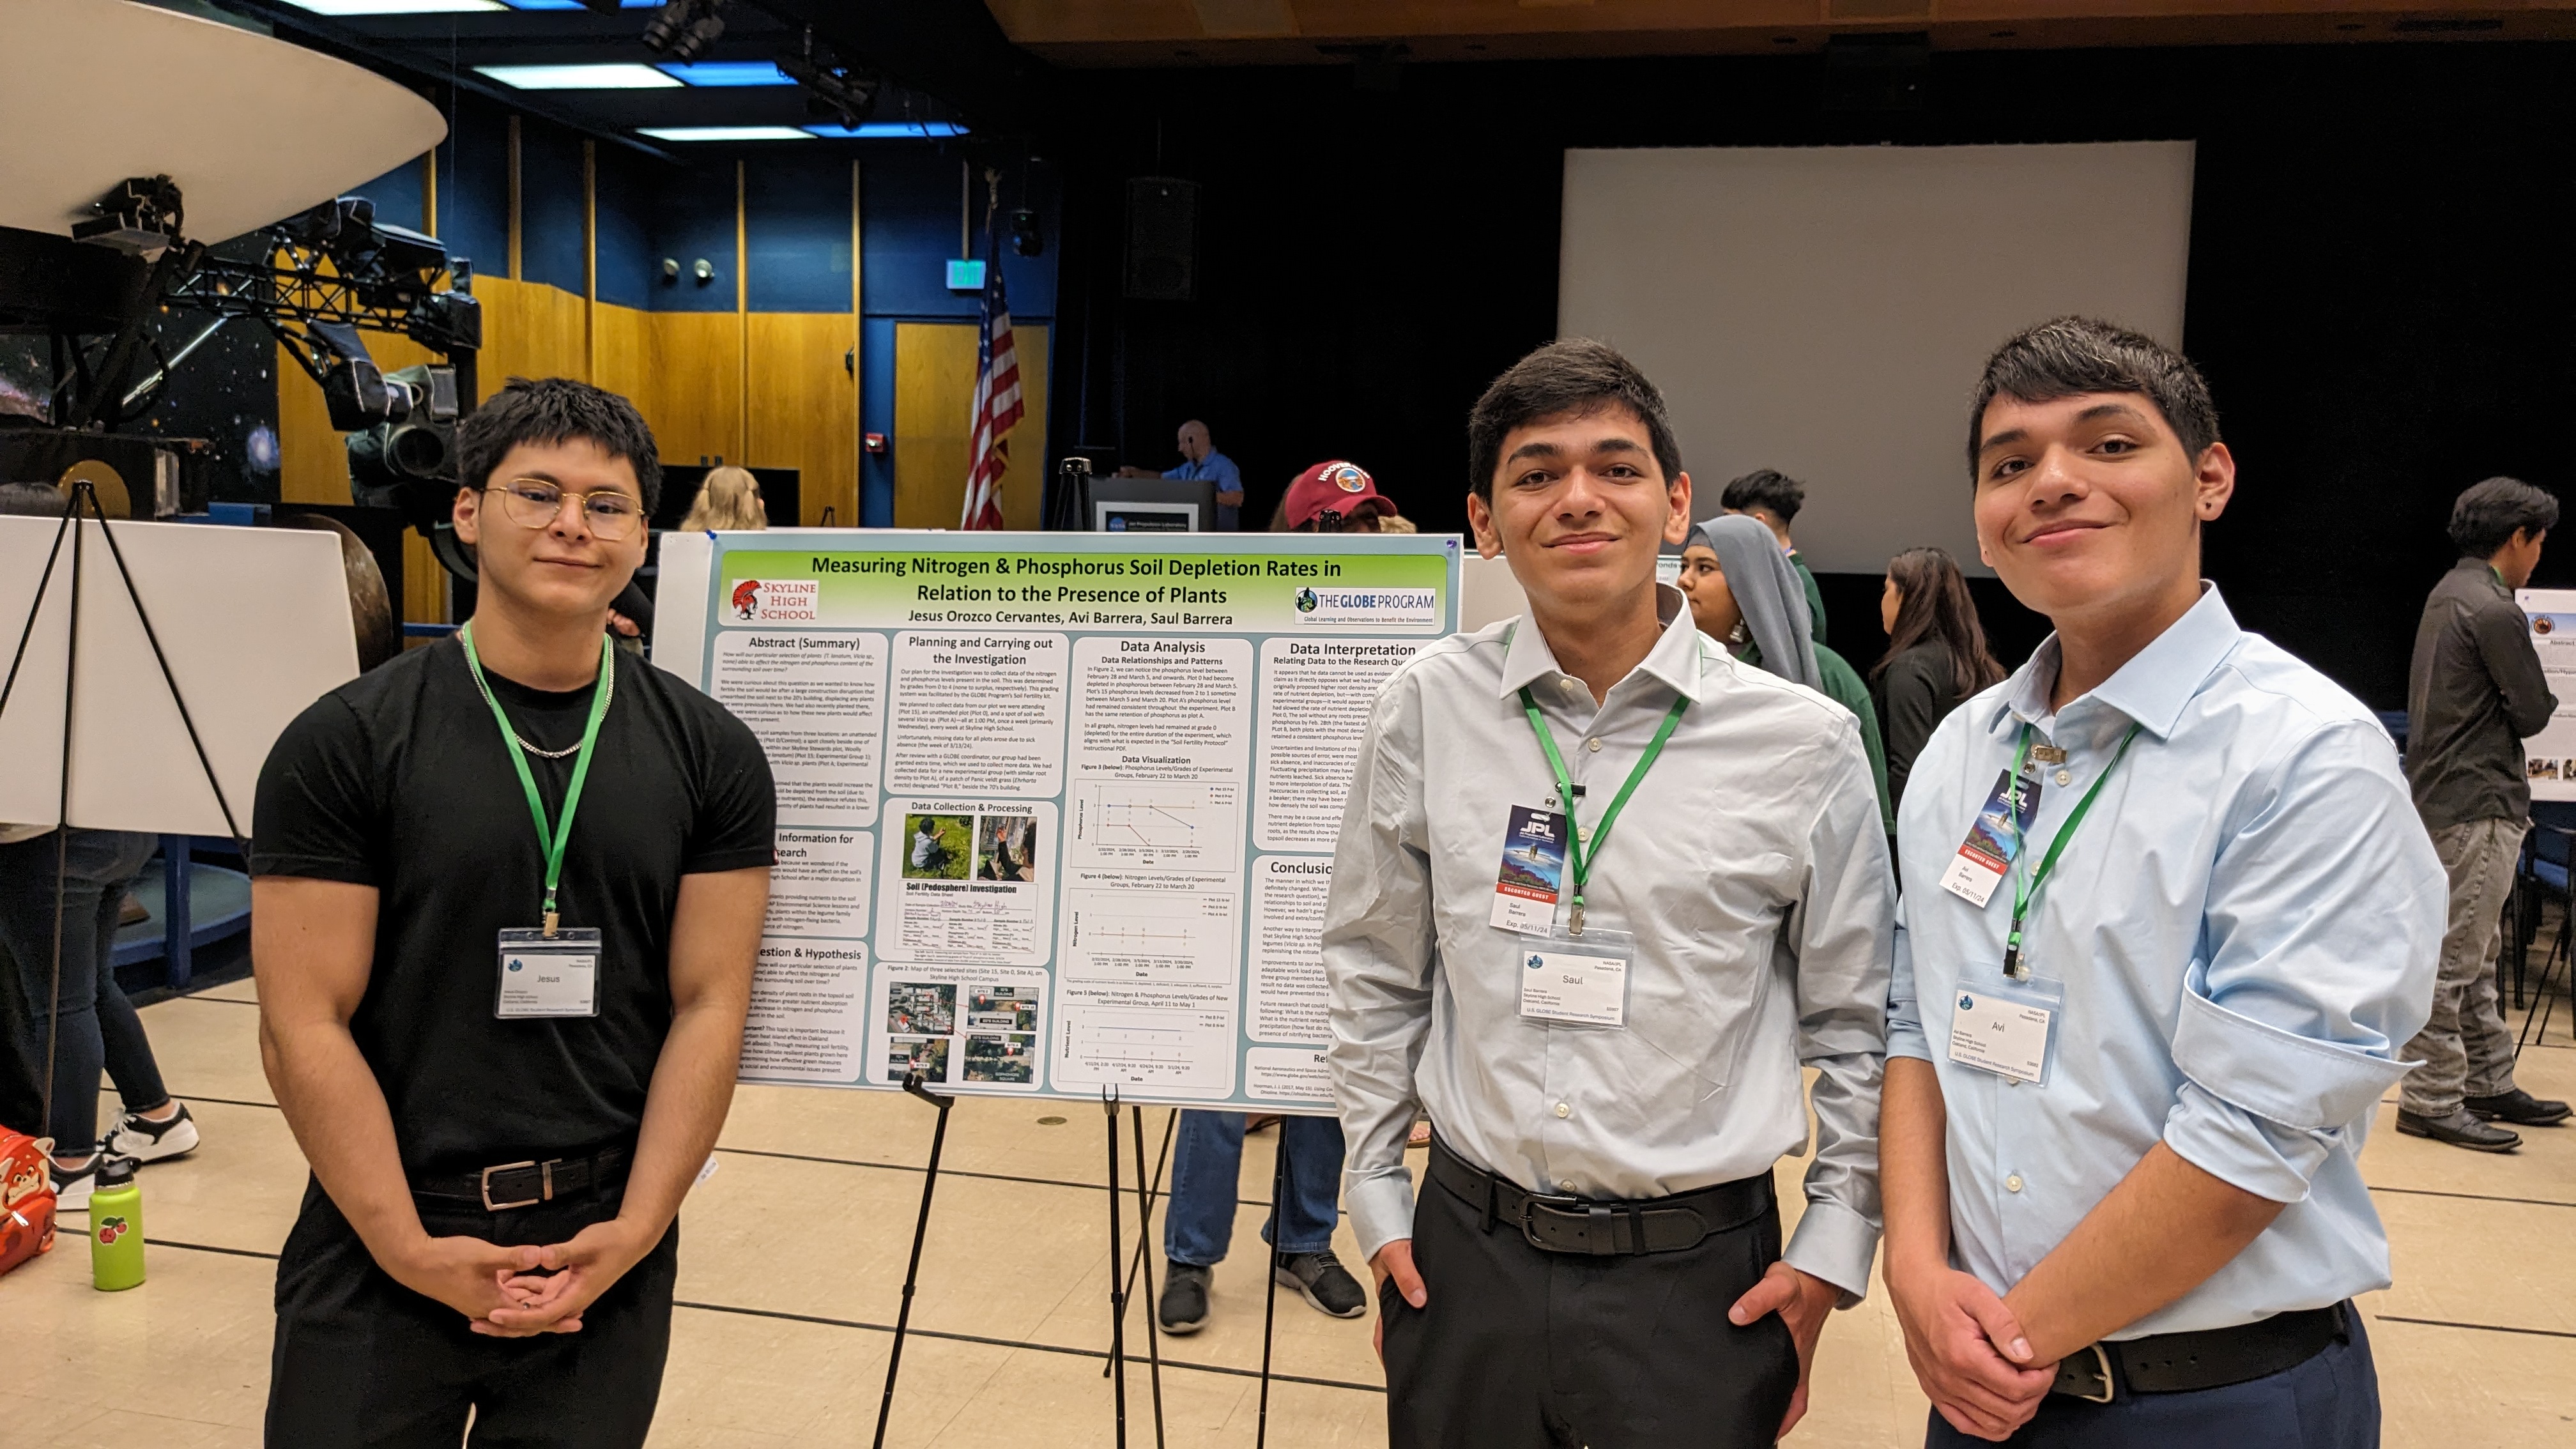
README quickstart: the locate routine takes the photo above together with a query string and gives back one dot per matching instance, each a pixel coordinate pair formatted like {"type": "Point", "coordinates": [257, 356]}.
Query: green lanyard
{"type": "Point", "coordinates": [2026, 882]}
{"type": "Point", "coordinates": [551, 838]}
{"type": "Point", "coordinates": [1582, 859]}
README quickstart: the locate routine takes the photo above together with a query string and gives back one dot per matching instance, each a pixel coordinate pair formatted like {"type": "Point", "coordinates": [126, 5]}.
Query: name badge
{"type": "Point", "coordinates": [1994, 839]}
{"type": "Point", "coordinates": [548, 976]}
{"type": "Point", "coordinates": [1533, 870]}
{"type": "Point", "coordinates": [2006, 1027]}
{"type": "Point", "coordinates": [1576, 980]}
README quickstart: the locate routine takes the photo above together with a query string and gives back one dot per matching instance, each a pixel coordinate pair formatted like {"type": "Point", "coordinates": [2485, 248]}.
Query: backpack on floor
{"type": "Point", "coordinates": [26, 1197]}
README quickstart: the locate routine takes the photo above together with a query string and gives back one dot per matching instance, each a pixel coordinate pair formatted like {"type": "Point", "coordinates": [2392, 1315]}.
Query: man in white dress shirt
{"type": "Point", "coordinates": [1600, 894]}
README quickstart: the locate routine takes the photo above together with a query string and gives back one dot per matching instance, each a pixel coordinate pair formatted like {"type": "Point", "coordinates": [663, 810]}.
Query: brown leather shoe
{"type": "Point", "coordinates": [2519, 1108]}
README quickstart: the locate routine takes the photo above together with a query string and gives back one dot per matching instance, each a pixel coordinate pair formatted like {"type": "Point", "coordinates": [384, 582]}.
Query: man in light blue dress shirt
{"type": "Point", "coordinates": [2121, 1143]}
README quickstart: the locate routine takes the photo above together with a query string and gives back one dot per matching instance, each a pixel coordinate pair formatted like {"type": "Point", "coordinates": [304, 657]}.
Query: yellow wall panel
{"type": "Point", "coordinates": [804, 409]}
{"type": "Point", "coordinates": [693, 397]}
{"type": "Point", "coordinates": [934, 388]}
{"type": "Point", "coordinates": [622, 353]}
{"type": "Point", "coordinates": [529, 330]}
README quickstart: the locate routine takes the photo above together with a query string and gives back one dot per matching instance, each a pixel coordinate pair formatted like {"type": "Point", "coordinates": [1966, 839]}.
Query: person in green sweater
{"type": "Point", "coordinates": [1774, 499]}
{"type": "Point", "coordinates": [1744, 594]}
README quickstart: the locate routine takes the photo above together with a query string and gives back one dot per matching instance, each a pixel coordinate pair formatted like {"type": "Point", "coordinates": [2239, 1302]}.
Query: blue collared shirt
{"type": "Point", "coordinates": [1219, 469]}
{"type": "Point", "coordinates": [2246, 928]}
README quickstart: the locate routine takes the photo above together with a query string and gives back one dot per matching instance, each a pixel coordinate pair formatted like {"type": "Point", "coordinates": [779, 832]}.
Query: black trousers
{"type": "Point", "coordinates": [1522, 1347]}
{"type": "Point", "coordinates": [360, 1360]}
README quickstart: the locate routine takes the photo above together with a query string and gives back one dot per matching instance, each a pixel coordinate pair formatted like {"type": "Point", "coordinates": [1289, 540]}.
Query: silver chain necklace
{"type": "Point", "coordinates": [608, 681]}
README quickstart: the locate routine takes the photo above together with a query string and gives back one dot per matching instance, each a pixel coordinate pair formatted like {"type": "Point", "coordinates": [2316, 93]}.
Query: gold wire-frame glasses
{"type": "Point", "coordinates": [536, 503]}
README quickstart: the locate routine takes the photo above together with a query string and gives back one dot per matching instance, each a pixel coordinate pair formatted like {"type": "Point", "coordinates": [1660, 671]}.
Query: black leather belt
{"type": "Point", "coordinates": [1595, 1228]}
{"type": "Point", "coordinates": [2179, 1363]}
{"type": "Point", "coordinates": [526, 1184]}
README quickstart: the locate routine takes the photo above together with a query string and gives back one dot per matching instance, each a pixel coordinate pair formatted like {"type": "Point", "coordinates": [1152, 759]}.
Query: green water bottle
{"type": "Point", "coordinates": [116, 1227]}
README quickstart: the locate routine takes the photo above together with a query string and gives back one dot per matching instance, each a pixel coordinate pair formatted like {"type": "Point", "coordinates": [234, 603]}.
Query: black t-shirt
{"type": "Point", "coordinates": [400, 780]}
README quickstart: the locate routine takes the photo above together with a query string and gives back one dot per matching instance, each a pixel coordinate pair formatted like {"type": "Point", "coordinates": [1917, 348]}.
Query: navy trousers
{"type": "Point", "coordinates": [2329, 1402]}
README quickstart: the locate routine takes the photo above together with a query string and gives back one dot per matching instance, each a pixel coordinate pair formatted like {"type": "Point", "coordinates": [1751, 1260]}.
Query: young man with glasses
{"type": "Point", "coordinates": [2168, 918]}
{"type": "Point", "coordinates": [506, 894]}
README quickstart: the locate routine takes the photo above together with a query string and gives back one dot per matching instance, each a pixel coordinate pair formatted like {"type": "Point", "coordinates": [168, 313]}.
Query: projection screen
{"type": "Point", "coordinates": [1825, 310]}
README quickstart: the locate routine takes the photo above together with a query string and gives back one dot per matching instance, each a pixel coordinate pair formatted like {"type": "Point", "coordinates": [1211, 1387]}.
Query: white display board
{"type": "Point", "coordinates": [254, 622]}
{"type": "Point", "coordinates": [1826, 310]}
{"type": "Point", "coordinates": [2549, 757]}
{"type": "Point", "coordinates": [1056, 812]}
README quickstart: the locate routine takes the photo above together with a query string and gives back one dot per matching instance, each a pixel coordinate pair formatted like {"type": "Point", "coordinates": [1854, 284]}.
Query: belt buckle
{"type": "Point", "coordinates": [1531, 1203]}
{"type": "Point", "coordinates": [2101, 1365]}
{"type": "Point", "coordinates": [545, 1184]}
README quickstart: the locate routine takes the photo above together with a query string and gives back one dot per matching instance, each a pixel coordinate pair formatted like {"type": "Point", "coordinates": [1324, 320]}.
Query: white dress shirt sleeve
{"type": "Point", "coordinates": [1379, 951]}
{"type": "Point", "coordinates": [2323, 927]}
{"type": "Point", "coordinates": [1840, 935]}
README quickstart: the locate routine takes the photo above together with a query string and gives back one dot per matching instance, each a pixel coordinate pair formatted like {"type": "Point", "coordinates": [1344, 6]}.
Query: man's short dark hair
{"type": "Point", "coordinates": [549, 410]}
{"type": "Point", "coordinates": [2489, 514]}
{"type": "Point", "coordinates": [2071, 356]}
{"type": "Point", "coordinates": [1768, 489]}
{"type": "Point", "coordinates": [1574, 377]}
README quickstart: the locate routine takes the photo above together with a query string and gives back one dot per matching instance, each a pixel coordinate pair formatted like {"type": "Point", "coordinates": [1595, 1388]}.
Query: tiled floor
{"type": "Point", "coordinates": [793, 1258]}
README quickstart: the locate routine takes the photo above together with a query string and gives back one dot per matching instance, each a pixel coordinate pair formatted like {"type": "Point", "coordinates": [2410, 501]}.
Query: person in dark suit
{"type": "Point", "coordinates": [1936, 656]}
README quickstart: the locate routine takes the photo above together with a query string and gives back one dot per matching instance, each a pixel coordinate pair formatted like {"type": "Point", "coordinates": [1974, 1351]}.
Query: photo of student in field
{"type": "Point", "coordinates": [1006, 847]}
{"type": "Point", "coordinates": [936, 847]}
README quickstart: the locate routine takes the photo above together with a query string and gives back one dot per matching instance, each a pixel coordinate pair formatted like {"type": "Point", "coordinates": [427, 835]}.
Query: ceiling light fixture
{"type": "Point", "coordinates": [726, 133]}
{"type": "Point", "coordinates": [615, 77]}
{"type": "Point", "coordinates": [361, 8]}
{"type": "Point", "coordinates": [890, 131]}
{"type": "Point", "coordinates": [729, 73]}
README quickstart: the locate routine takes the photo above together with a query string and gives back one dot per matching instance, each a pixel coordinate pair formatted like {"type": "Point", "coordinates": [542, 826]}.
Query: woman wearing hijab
{"type": "Point", "coordinates": [1936, 655]}
{"type": "Point", "coordinates": [1745, 594]}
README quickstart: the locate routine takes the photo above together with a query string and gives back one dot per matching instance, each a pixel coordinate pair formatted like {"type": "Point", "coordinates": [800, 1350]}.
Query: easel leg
{"type": "Point", "coordinates": [1117, 1289]}
{"type": "Point", "coordinates": [913, 1083]}
{"type": "Point", "coordinates": [1270, 1295]}
{"type": "Point", "coordinates": [1145, 1258]}
{"type": "Point", "coordinates": [1146, 1198]}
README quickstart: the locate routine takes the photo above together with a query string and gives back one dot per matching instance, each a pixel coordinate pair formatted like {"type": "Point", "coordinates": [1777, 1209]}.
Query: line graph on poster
{"type": "Point", "coordinates": [1169, 937]}
{"type": "Point", "coordinates": [1122, 825]}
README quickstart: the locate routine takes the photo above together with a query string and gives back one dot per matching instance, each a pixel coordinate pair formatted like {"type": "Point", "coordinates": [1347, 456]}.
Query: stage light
{"type": "Point", "coordinates": [621, 77]}
{"type": "Point", "coordinates": [729, 73]}
{"type": "Point", "coordinates": [1026, 239]}
{"type": "Point", "coordinates": [890, 131]}
{"type": "Point", "coordinates": [725, 133]}
{"type": "Point", "coordinates": [685, 30]}
{"type": "Point", "coordinates": [361, 8]}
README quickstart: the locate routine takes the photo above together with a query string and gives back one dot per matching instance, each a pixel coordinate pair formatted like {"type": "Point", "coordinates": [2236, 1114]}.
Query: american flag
{"type": "Point", "coordinates": [997, 402]}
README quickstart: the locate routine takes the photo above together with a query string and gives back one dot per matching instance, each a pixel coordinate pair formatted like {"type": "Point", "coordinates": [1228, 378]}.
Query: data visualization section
{"type": "Point", "coordinates": [1193, 828]}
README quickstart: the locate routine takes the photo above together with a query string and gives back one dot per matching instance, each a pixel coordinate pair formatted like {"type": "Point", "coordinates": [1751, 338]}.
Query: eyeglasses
{"type": "Point", "coordinates": [536, 503]}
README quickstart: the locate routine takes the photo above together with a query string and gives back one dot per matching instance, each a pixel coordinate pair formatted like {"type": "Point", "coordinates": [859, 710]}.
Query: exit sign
{"type": "Point", "coordinates": [965, 276]}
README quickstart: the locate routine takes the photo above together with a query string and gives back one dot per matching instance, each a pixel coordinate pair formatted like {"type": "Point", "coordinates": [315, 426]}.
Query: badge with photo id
{"type": "Point", "coordinates": [2006, 1026]}
{"type": "Point", "coordinates": [1994, 839]}
{"type": "Point", "coordinates": [1533, 870]}
{"type": "Point", "coordinates": [548, 976]}
{"type": "Point", "coordinates": [1576, 980]}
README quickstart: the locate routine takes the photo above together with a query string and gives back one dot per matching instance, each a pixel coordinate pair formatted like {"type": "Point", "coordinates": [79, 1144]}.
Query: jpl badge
{"type": "Point", "coordinates": [1533, 870]}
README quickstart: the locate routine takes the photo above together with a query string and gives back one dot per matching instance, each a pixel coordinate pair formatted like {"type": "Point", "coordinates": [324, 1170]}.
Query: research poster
{"type": "Point", "coordinates": [2549, 757]}
{"type": "Point", "coordinates": [1056, 812]}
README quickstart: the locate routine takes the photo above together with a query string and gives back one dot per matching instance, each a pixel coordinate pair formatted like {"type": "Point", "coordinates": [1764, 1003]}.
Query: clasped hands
{"type": "Point", "coordinates": [518, 1292]}
{"type": "Point", "coordinates": [1968, 1350]}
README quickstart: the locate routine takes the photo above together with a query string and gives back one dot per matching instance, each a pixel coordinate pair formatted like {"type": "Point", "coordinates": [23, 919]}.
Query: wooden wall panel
{"type": "Point", "coordinates": [804, 408]}
{"type": "Point", "coordinates": [693, 397]}
{"type": "Point", "coordinates": [934, 386]}
{"type": "Point", "coordinates": [529, 330]}
{"type": "Point", "coordinates": [621, 357]}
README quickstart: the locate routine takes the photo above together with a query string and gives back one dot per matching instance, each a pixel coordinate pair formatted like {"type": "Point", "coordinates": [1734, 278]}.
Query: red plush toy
{"type": "Point", "coordinates": [26, 1197]}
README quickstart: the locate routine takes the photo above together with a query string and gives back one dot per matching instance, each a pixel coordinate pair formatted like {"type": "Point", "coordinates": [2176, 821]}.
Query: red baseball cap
{"type": "Point", "coordinates": [1335, 487]}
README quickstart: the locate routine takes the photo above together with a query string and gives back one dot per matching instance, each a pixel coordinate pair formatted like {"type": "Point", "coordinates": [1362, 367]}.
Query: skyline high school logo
{"type": "Point", "coordinates": [776, 601]}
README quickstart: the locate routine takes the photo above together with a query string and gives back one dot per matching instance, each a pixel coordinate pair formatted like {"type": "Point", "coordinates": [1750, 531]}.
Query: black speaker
{"type": "Point", "coordinates": [1162, 238]}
